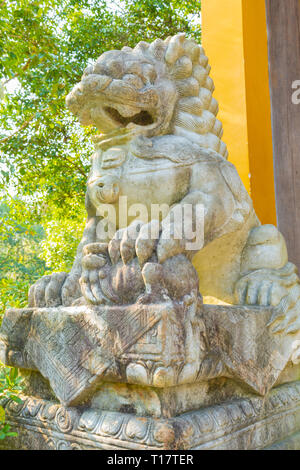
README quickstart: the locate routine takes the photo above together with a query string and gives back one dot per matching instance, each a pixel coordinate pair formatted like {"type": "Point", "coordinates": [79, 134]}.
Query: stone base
{"type": "Point", "coordinates": [77, 349]}
{"type": "Point", "coordinates": [271, 422]}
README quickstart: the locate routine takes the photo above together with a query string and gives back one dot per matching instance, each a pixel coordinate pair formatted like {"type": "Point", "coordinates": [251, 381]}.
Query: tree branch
{"type": "Point", "coordinates": [21, 128]}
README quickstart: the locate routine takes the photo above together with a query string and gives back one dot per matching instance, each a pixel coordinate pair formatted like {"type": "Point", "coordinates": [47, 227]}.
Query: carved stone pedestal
{"type": "Point", "coordinates": [127, 378]}
{"type": "Point", "coordinates": [272, 422]}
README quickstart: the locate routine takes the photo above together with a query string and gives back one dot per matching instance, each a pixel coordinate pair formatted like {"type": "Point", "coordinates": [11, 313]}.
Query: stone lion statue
{"type": "Point", "coordinates": [160, 142]}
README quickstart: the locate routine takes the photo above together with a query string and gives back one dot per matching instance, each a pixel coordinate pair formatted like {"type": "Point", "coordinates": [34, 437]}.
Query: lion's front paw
{"type": "Point", "coordinates": [171, 242]}
{"type": "Point", "coordinates": [137, 240]}
{"type": "Point", "coordinates": [286, 318]}
{"type": "Point", "coordinates": [264, 292]}
{"type": "Point", "coordinates": [46, 292]}
{"type": "Point", "coordinates": [94, 261]}
{"type": "Point", "coordinates": [107, 283]}
{"type": "Point", "coordinates": [278, 288]}
{"type": "Point", "coordinates": [153, 241]}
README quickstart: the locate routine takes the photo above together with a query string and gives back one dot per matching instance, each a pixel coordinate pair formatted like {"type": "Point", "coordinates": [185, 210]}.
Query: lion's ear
{"type": "Point", "coordinates": [90, 208]}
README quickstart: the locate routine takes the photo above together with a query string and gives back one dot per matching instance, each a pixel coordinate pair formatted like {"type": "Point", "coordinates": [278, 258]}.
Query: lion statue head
{"type": "Point", "coordinates": [151, 90]}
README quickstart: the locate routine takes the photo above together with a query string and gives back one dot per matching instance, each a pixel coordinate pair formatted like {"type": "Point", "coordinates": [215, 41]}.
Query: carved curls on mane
{"type": "Point", "coordinates": [177, 60]}
{"type": "Point", "coordinates": [196, 110]}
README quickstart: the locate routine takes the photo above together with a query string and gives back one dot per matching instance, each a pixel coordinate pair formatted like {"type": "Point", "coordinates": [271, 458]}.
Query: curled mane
{"type": "Point", "coordinates": [196, 110]}
{"type": "Point", "coordinates": [146, 72]}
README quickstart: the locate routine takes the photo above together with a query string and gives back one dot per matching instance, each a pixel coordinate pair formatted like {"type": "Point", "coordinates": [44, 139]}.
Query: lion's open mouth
{"type": "Point", "coordinates": [143, 118]}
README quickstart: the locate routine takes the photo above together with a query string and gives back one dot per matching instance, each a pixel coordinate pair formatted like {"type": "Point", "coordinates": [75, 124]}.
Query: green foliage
{"type": "Point", "coordinates": [20, 238]}
{"type": "Point", "coordinates": [10, 387]}
{"type": "Point", "coordinates": [60, 245]}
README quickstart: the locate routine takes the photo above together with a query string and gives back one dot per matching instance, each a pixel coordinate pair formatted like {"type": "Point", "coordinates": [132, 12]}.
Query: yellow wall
{"type": "Point", "coordinates": [234, 36]}
{"type": "Point", "coordinates": [222, 38]}
{"type": "Point", "coordinates": [259, 109]}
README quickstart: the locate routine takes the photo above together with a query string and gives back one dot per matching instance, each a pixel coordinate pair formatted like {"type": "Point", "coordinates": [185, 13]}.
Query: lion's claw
{"type": "Point", "coordinates": [276, 291]}
{"type": "Point", "coordinates": [46, 292]}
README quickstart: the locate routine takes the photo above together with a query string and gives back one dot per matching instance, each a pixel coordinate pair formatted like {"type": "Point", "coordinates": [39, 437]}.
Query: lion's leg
{"type": "Point", "coordinates": [267, 278]}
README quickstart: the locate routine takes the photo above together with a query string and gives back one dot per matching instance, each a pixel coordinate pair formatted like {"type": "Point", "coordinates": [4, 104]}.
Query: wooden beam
{"type": "Point", "coordinates": [283, 23]}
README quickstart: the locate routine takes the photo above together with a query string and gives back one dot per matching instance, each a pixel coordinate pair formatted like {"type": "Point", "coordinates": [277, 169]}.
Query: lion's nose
{"type": "Point", "coordinates": [108, 191]}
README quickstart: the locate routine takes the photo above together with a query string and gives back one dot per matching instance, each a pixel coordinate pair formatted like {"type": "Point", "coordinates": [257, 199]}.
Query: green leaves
{"type": "Point", "coordinates": [20, 237]}
{"type": "Point", "coordinates": [2, 92]}
{"type": "Point", "coordinates": [2, 415]}
{"type": "Point", "coordinates": [10, 388]}
{"type": "Point", "coordinates": [5, 432]}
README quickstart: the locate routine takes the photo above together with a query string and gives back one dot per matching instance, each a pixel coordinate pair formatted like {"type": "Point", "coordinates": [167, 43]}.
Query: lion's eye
{"type": "Point", "coordinates": [133, 80]}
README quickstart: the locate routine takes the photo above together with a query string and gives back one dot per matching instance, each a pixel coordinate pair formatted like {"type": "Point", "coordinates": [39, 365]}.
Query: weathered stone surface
{"type": "Point", "coordinates": [250, 352]}
{"type": "Point", "coordinates": [77, 348]}
{"type": "Point", "coordinates": [74, 347]}
{"type": "Point", "coordinates": [244, 424]}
